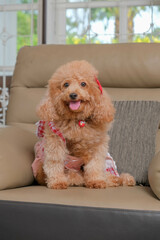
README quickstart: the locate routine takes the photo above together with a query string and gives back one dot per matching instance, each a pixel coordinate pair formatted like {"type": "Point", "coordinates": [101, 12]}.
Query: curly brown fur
{"type": "Point", "coordinates": [40, 177]}
{"type": "Point", "coordinates": [90, 143]}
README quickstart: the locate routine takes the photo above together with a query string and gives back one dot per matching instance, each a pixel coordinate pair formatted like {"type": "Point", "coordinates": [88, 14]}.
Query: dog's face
{"type": "Point", "coordinates": [75, 94]}
{"type": "Point", "coordinates": [74, 90]}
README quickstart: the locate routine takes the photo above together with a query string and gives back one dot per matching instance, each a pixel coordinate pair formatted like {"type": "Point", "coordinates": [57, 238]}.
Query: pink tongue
{"type": "Point", "coordinates": [74, 105]}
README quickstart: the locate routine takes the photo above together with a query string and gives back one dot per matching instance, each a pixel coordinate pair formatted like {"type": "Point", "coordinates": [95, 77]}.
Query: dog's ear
{"type": "Point", "coordinates": [45, 110]}
{"type": "Point", "coordinates": [104, 110]}
{"type": "Point", "coordinates": [54, 87]}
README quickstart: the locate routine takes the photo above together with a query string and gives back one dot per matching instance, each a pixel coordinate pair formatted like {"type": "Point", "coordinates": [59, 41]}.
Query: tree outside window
{"type": "Point", "coordinates": [102, 25]}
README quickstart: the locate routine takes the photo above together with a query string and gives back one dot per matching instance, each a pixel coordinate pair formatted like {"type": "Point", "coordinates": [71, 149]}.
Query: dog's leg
{"type": "Point", "coordinates": [94, 170]}
{"type": "Point", "coordinates": [40, 177]}
{"type": "Point", "coordinates": [55, 154]}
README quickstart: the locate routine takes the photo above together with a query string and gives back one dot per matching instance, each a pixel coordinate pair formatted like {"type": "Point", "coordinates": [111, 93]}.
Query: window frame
{"type": "Point", "coordinates": [27, 6]}
{"type": "Point", "coordinates": [56, 16]}
{"type": "Point", "coordinates": [5, 69]}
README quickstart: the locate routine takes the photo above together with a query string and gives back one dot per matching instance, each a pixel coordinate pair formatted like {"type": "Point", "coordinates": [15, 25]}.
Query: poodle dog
{"type": "Point", "coordinates": [75, 117]}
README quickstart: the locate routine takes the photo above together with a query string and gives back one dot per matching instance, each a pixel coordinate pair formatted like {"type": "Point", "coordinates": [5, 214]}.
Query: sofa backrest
{"type": "Point", "coordinates": [128, 71]}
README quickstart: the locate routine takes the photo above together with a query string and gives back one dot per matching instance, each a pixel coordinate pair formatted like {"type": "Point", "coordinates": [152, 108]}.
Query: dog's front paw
{"type": "Point", "coordinates": [113, 181]}
{"type": "Point", "coordinates": [95, 184]}
{"type": "Point", "coordinates": [57, 184]}
{"type": "Point", "coordinates": [61, 185]}
{"type": "Point", "coordinates": [127, 179]}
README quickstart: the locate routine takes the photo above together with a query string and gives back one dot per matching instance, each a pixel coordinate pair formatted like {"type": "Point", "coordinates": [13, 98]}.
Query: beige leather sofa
{"type": "Point", "coordinates": [29, 211]}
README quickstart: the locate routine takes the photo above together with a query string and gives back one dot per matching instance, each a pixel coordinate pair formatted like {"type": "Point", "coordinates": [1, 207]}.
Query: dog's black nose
{"type": "Point", "coordinates": [73, 95]}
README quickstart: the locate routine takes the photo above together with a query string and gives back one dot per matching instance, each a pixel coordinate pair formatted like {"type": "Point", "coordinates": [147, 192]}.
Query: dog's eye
{"type": "Point", "coordinates": [66, 85]}
{"type": "Point", "coordinates": [83, 84]}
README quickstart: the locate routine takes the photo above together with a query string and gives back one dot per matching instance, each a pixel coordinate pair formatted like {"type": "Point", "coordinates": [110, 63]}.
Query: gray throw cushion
{"type": "Point", "coordinates": [132, 137]}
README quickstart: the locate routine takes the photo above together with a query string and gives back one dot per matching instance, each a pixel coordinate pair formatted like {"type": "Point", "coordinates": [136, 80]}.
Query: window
{"type": "Point", "coordinates": [20, 24]}
{"type": "Point", "coordinates": [99, 21]}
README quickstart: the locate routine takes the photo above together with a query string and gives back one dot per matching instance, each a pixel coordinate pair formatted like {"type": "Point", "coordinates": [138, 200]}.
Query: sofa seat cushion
{"type": "Point", "coordinates": [135, 198]}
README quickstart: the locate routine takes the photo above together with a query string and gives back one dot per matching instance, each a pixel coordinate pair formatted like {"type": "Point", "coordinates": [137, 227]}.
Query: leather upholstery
{"type": "Point", "coordinates": [128, 72]}
{"type": "Point", "coordinates": [16, 157]}
{"type": "Point", "coordinates": [134, 198]}
{"type": "Point", "coordinates": [51, 221]}
{"type": "Point", "coordinates": [154, 174]}
{"type": "Point", "coordinates": [120, 65]}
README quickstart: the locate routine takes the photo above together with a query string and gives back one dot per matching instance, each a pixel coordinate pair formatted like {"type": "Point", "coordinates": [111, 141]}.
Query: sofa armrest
{"type": "Point", "coordinates": [16, 156]}
{"type": "Point", "coordinates": [154, 174]}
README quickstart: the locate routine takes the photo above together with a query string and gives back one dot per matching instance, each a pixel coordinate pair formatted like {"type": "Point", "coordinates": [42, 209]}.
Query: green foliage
{"type": "Point", "coordinates": [28, 1]}
{"type": "Point", "coordinates": [146, 39]}
{"type": "Point", "coordinates": [102, 13]}
{"type": "Point", "coordinates": [24, 23]}
{"type": "Point", "coordinates": [72, 39]}
{"type": "Point", "coordinates": [24, 29]}
{"type": "Point", "coordinates": [154, 37]}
